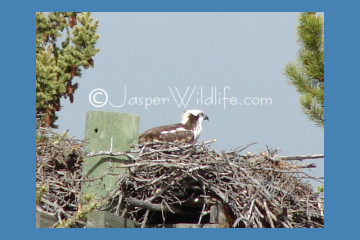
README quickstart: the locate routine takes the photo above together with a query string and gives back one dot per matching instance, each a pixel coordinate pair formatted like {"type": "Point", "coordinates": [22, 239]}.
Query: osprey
{"type": "Point", "coordinates": [188, 131]}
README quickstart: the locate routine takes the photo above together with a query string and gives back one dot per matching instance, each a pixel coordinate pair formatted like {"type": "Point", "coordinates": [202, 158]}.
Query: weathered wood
{"type": "Point", "coordinates": [112, 131]}
{"type": "Point", "coordinates": [185, 225]}
{"type": "Point", "coordinates": [213, 214]}
{"type": "Point", "coordinates": [101, 219]}
{"type": "Point", "coordinates": [223, 216]}
{"type": "Point", "coordinates": [44, 220]}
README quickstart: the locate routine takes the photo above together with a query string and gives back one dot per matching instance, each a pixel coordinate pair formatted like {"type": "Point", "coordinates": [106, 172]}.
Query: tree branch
{"type": "Point", "coordinates": [301, 157]}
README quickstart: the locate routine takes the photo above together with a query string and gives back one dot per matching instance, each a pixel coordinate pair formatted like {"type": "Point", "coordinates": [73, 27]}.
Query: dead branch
{"type": "Point", "coordinates": [301, 157]}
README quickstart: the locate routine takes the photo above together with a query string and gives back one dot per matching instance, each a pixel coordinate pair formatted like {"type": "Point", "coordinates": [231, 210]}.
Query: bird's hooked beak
{"type": "Point", "coordinates": [206, 118]}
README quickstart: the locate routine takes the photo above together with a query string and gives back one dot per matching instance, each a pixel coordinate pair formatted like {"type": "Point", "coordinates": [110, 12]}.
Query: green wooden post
{"type": "Point", "coordinates": [109, 131]}
{"type": "Point", "coordinates": [44, 220]}
{"type": "Point", "coordinates": [100, 219]}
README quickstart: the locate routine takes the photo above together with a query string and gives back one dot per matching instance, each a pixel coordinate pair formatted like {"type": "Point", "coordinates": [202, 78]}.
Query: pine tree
{"type": "Point", "coordinates": [307, 73]}
{"type": "Point", "coordinates": [57, 64]}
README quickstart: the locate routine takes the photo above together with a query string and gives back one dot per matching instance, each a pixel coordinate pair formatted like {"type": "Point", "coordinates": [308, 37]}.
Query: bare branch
{"type": "Point", "coordinates": [301, 157]}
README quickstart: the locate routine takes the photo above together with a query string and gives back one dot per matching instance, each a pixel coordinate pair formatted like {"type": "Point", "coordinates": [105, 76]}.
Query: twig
{"type": "Point", "coordinates": [301, 157]}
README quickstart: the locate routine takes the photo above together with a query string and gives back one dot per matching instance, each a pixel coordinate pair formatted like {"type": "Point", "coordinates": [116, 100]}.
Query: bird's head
{"type": "Point", "coordinates": [193, 116]}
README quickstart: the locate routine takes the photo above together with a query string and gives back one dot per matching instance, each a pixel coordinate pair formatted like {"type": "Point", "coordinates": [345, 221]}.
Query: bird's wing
{"type": "Point", "coordinates": [168, 133]}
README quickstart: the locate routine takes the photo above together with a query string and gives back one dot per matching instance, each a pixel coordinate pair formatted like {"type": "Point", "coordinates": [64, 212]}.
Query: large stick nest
{"type": "Point", "coordinates": [172, 183]}
{"type": "Point", "coordinates": [58, 173]}
{"type": "Point", "coordinates": [257, 190]}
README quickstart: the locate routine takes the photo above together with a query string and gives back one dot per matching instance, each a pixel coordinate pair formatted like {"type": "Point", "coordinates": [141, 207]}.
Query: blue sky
{"type": "Point", "coordinates": [241, 53]}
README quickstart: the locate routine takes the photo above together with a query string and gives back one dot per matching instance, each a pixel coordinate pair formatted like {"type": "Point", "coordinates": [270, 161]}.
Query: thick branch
{"type": "Point", "coordinates": [301, 157]}
{"type": "Point", "coordinates": [155, 207]}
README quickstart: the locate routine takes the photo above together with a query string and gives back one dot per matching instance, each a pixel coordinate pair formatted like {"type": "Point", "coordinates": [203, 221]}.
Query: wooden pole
{"type": "Point", "coordinates": [100, 219]}
{"type": "Point", "coordinates": [111, 131]}
{"type": "Point", "coordinates": [45, 220]}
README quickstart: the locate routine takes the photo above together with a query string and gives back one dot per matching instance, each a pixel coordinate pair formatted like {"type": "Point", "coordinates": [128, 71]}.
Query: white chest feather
{"type": "Point", "coordinates": [197, 129]}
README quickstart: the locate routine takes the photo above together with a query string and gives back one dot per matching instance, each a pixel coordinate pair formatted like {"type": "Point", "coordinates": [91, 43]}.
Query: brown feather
{"type": "Point", "coordinates": [184, 136]}
{"type": "Point", "coordinates": [191, 122]}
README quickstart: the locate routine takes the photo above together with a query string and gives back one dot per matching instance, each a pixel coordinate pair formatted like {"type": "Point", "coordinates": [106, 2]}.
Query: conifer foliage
{"type": "Point", "coordinates": [58, 63]}
{"type": "Point", "coordinates": [306, 74]}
